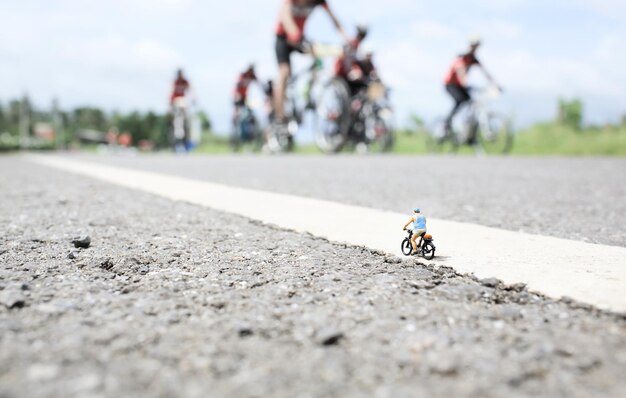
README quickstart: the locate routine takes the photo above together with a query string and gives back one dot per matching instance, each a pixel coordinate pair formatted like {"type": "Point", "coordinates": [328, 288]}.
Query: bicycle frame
{"type": "Point", "coordinates": [291, 92]}
{"type": "Point", "coordinates": [477, 120]}
{"type": "Point", "coordinates": [422, 239]}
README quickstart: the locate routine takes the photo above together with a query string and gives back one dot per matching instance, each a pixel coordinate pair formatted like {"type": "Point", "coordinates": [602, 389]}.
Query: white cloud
{"type": "Point", "coordinates": [613, 9]}
{"type": "Point", "coordinates": [163, 4]}
{"type": "Point", "coordinates": [428, 30]}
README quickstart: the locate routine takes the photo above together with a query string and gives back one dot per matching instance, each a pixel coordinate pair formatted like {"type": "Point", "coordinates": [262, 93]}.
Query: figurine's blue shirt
{"type": "Point", "coordinates": [420, 222]}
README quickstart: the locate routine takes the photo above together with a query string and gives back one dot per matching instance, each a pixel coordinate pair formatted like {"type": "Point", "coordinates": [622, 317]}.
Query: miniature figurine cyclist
{"type": "Point", "coordinates": [419, 227]}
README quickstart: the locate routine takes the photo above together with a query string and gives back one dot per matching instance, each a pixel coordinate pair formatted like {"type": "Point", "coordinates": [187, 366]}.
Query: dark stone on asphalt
{"type": "Point", "coordinates": [218, 305]}
{"type": "Point", "coordinates": [82, 242]}
{"type": "Point", "coordinates": [73, 255]}
{"type": "Point", "coordinates": [245, 330]}
{"type": "Point", "coordinates": [107, 264]}
{"type": "Point", "coordinates": [329, 336]}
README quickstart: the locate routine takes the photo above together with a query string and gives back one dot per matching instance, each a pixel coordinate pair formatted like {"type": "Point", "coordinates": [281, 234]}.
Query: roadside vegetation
{"type": "Point", "coordinates": [565, 135]}
{"type": "Point", "coordinates": [549, 138]}
{"type": "Point", "coordinates": [22, 125]}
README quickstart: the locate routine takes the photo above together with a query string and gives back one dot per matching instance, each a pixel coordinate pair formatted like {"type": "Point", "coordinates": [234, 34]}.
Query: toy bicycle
{"type": "Point", "coordinates": [427, 249]}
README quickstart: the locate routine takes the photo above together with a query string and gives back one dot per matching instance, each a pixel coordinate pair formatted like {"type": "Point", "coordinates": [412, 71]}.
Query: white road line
{"type": "Point", "coordinates": [591, 273]}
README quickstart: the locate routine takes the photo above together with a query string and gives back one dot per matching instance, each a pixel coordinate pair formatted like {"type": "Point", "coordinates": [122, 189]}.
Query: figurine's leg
{"type": "Point", "coordinates": [413, 241]}
{"type": "Point", "coordinates": [421, 234]}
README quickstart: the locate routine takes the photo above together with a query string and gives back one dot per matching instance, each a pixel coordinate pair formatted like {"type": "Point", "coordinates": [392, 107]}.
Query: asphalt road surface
{"type": "Point", "coordinates": [173, 299]}
{"type": "Point", "coordinates": [574, 198]}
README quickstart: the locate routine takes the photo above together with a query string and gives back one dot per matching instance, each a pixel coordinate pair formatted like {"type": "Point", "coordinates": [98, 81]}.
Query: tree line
{"type": "Point", "coordinates": [18, 118]}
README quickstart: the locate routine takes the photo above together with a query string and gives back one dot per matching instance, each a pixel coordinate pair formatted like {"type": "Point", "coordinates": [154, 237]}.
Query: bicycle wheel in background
{"type": "Point", "coordinates": [379, 131]}
{"type": "Point", "coordinates": [441, 140]}
{"type": "Point", "coordinates": [279, 138]}
{"type": "Point", "coordinates": [495, 135]}
{"type": "Point", "coordinates": [235, 139]}
{"type": "Point", "coordinates": [332, 116]}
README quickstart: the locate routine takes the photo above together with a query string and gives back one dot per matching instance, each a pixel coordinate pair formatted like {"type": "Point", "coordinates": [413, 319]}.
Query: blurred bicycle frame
{"type": "Point", "coordinates": [179, 129]}
{"type": "Point", "coordinates": [364, 119]}
{"type": "Point", "coordinates": [477, 126]}
{"type": "Point", "coordinates": [280, 136]}
{"type": "Point", "coordinates": [245, 129]}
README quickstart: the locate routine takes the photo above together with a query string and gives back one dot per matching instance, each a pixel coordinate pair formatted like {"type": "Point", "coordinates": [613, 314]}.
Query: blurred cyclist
{"type": "Point", "coordinates": [181, 86]}
{"type": "Point", "coordinates": [241, 89]}
{"type": "Point", "coordinates": [178, 122]}
{"type": "Point", "coordinates": [367, 65]}
{"type": "Point", "coordinates": [347, 67]}
{"type": "Point", "coordinates": [289, 34]}
{"type": "Point", "coordinates": [268, 90]}
{"type": "Point", "coordinates": [456, 78]}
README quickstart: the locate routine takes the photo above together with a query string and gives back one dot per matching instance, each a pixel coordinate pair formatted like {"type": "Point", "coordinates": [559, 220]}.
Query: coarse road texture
{"type": "Point", "coordinates": [588, 272]}
{"type": "Point", "coordinates": [173, 299]}
{"type": "Point", "coordinates": [572, 198]}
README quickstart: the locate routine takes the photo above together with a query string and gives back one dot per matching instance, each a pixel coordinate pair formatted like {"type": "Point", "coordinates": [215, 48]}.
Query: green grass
{"type": "Point", "coordinates": [555, 139]}
{"type": "Point", "coordinates": [213, 145]}
{"type": "Point", "coordinates": [543, 140]}
{"type": "Point", "coordinates": [409, 143]}
{"type": "Point", "coordinates": [539, 140]}
{"type": "Point", "coordinates": [412, 143]}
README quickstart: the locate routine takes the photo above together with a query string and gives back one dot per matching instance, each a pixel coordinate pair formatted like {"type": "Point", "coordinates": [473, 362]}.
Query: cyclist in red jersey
{"type": "Point", "coordinates": [456, 78]}
{"type": "Point", "coordinates": [181, 86]}
{"type": "Point", "coordinates": [241, 89]}
{"type": "Point", "coordinates": [367, 66]}
{"type": "Point", "coordinates": [289, 33]}
{"type": "Point", "coordinates": [347, 66]}
{"type": "Point", "coordinates": [243, 82]}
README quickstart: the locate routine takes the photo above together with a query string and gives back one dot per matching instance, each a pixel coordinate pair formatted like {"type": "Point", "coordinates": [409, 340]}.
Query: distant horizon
{"type": "Point", "coordinates": [122, 55]}
{"type": "Point", "coordinates": [407, 124]}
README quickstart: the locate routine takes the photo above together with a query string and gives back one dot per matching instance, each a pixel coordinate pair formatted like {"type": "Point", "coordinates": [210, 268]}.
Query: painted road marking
{"type": "Point", "coordinates": [591, 273]}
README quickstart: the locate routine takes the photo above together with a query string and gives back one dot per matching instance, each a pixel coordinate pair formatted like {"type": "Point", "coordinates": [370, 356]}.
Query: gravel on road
{"type": "Point", "coordinates": [171, 299]}
{"type": "Point", "coordinates": [573, 198]}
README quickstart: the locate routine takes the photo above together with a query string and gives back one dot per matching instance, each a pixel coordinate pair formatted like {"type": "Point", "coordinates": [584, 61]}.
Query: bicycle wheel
{"type": "Point", "coordinates": [495, 134]}
{"type": "Point", "coordinates": [235, 140]}
{"type": "Point", "coordinates": [428, 251]}
{"type": "Point", "coordinates": [333, 117]}
{"type": "Point", "coordinates": [440, 139]}
{"type": "Point", "coordinates": [407, 248]}
{"type": "Point", "coordinates": [280, 139]}
{"type": "Point", "coordinates": [379, 131]}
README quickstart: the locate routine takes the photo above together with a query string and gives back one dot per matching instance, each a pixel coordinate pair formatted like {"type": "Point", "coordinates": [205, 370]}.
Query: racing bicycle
{"type": "Point", "coordinates": [364, 119]}
{"type": "Point", "coordinates": [245, 129]}
{"type": "Point", "coordinates": [179, 129]}
{"type": "Point", "coordinates": [280, 135]}
{"type": "Point", "coordinates": [476, 126]}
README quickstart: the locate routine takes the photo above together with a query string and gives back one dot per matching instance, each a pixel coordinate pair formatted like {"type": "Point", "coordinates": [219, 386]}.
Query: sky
{"type": "Point", "coordinates": [122, 55]}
